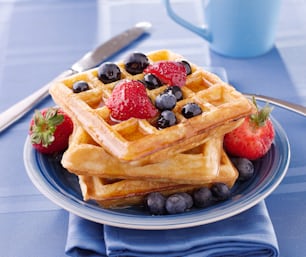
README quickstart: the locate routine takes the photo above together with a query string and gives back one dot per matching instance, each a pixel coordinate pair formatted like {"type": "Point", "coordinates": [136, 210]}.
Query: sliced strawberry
{"type": "Point", "coordinates": [50, 130]}
{"type": "Point", "coordinates": [169, 72]}
{"type": "Point", "coordinates": [129, 99]}
{"type": "Point", "coordinates": [253, 138]}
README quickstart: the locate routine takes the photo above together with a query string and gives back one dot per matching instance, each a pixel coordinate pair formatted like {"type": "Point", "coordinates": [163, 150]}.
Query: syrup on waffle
{"type": "Point", "coordinates": [139, 140]}
{"type": "Point", "coordinates": [123, 193]}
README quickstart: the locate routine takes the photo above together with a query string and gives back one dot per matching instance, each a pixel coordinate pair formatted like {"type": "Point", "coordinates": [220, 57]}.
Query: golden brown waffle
{"type": "Point", "coordinates": [139, 140]}
{"type": "Point", "coordinates": [123, 193]}
{"type": "Point", "coordinates": [196, 166]}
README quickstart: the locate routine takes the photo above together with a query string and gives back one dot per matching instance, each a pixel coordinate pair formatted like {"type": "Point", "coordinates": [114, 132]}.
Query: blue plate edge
{"type": "Point", "coordinates": [147, 222]}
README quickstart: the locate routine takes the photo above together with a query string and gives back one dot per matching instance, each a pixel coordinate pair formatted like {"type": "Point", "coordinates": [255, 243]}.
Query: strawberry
{"type": "Point", "coordinates": [253, 138]}
{"type": "Point", "coordinates": [129, 99]}
{"type": "Point", "coordinates": [49, 130]}
{"type": "Point", "coordinates": [169, 72]}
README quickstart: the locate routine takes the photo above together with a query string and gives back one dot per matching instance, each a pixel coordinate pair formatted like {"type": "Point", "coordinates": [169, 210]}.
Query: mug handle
{"type": "Point", "coordinates": [201, 31]}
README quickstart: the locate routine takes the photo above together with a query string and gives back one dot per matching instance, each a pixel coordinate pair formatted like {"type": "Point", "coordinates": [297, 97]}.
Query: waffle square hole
{"type": "Point", "coordinates": [196, 150]}
{"type": "Point", "coordinates": [132, 129]}
{"type": "Point", "coordinates": [216, 96]}
{"type": "Point", "coordinates": [197, 83]}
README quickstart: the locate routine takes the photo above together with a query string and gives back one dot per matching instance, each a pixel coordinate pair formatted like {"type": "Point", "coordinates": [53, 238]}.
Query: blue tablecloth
{"type": "Point", "coordinates": [39, 39]}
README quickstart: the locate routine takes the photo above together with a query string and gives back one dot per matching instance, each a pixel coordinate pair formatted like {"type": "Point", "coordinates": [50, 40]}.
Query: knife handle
{"type": "Point", "coordinates": [15, 112]}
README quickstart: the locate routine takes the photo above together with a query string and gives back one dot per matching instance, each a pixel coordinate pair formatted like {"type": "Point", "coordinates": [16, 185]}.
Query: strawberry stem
{"type": "Point", "coordinates": [44, 126]}
{"type": "Point", "coordinates": [259, 118]}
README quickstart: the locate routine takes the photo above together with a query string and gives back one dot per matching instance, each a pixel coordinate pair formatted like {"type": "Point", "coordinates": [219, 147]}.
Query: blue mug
{"type": "Point", "coordinates": [236, 28]}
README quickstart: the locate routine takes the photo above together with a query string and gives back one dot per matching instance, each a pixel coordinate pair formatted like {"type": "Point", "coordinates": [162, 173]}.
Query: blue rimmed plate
{"type": "Point", "coordinates": [62, 188]}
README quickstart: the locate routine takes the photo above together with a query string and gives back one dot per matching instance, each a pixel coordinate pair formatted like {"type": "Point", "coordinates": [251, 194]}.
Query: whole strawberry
{"type": "Point", "coordinates": [253, 138]}
{"type": "Point", "coordinates": [169, 72]}
{"type": "Point", "coordinates": [50, 130]}
{"type": "Point", "coordinates": [130, 99]}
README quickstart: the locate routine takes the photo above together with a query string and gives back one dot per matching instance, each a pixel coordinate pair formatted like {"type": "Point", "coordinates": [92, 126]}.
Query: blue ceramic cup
{"type": "Point", "coordinates": [236, 28]}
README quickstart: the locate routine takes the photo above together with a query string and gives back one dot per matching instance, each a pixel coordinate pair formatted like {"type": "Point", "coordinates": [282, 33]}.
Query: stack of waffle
{"type": "Point", "coordinates": [119, 163]}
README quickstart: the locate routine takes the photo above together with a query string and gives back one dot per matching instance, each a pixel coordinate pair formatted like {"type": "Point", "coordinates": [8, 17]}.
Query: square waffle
{"type": "Point", "coordinates": [123, 193]}
{"type": "Point", "coordinates": [139, 140]}
{"type": "Point", "coordinates": [196, 166]}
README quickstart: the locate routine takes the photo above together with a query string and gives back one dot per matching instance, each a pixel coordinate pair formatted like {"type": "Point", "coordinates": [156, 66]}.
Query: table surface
{"type": "Point", "coordinates": [39, 39]}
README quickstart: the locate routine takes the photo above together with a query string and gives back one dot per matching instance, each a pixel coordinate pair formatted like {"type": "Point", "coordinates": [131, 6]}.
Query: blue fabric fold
{"type": "Point", "coordinates": [85, 238]}
{"type": "Point", "coordinates": [250, 234]}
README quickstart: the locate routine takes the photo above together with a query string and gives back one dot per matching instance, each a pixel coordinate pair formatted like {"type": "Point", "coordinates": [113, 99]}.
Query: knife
{"type": "Point", "coordinates": [88, 61]}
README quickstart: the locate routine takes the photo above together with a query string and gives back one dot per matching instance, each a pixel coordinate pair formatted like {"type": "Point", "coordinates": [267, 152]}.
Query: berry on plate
{"type": "Point", "coordinates": [156, 203]}
{"type": "Point", "coordinates": [203, 197]}
{"type": "Point", "coordinates": [245, 168]}
{"type": "Point", "coordinates": [177, 203]}
{"type": "Point", "coordinates": [129, 99]}
{"type": "Point", "coordinates": [253, 138]}
{"type": "Point", "coordinates": [169, 72]}
{"type": "Point", "coordinates": [49, 130]}
{"type": "Point", "coordinates": [220, 191]}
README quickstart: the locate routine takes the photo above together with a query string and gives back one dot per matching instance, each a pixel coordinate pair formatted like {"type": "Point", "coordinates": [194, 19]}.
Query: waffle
{"type": "Point", "coordinates": [123, 193]}
{"type": "Point", "coordinates": [139, 140]}
{"type": "Point", "coordinates": [196, 166]}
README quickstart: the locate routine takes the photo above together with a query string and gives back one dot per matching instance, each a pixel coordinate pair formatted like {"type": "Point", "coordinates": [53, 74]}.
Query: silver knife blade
{"type": "Point", "coordinates": [107, 49]}
{"type": "Point", "coordinates": [88, 61]}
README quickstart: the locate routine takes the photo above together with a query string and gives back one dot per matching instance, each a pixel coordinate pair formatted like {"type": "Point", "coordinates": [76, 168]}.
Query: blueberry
{"type": "Point", "coordinates": [136, 62]}
{"type": "Point", "coordinates": [190, 110]}
{"type": "Point", "coordinates": [156, 203]}
{"type": "Point", "coordinates": [203, 197]}
{"type": "Point", "coordinates": [151, 81]}
{"type": "Point", "coordinates": [165, 102]}
{"type": "Point", "coordinates": [176, 91]}
{"type": "Point", "coordinates": [109, 72]}
{"type": "Point", "coordinates": [166, 119]}
{"type": "Point", "coordinates": [80, 86]}
{"type": "Point", "coordinates": [220, 191]}
{"type": "Point", "coordinates": [187, 67]}
{"type": "Point", "coordinates": [245, 168]}
{"type": "Point", "coordinates": [176, 203]}
{"type": "Point", "coordinates": [188, 199]}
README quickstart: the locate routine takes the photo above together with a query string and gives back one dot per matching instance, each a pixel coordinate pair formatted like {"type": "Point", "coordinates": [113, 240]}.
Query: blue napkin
{"type": "Point", "coordinates": [250, 233]}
